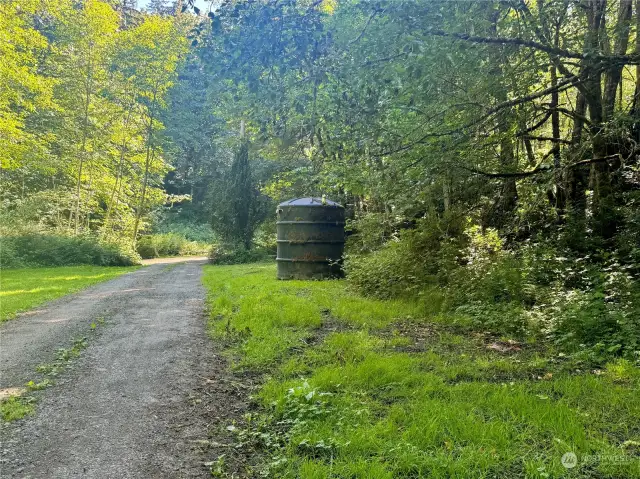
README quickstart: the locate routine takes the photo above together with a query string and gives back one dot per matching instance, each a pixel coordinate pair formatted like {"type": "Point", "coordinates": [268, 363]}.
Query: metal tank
{"type": "Point", "coordinates": [310, 238]}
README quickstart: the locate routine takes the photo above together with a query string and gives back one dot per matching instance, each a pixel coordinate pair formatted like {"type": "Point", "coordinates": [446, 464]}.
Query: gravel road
{"type": "Point", "coordinates": [128, 407]}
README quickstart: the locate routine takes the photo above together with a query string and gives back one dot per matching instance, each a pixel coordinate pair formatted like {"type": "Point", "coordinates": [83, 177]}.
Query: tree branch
{"type": "Point", "coordinates": [509, 41]}
{"type": "Point", "coordinates": [371, 17]}
{"type": "Point", "coordinates": [560, 86]}
{"type": "Point", "coordinates": [535, 126]}
{"type": "Point", "coordinates": [547, 138]}
{"type": "Point", "coordinates": [555, 51]}
{"type": "Point", "coordinates": [542, 168]}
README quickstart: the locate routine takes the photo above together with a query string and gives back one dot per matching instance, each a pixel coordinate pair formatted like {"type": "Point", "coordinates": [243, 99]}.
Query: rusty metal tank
{"type": "Point", "coordinates": [310, 238]}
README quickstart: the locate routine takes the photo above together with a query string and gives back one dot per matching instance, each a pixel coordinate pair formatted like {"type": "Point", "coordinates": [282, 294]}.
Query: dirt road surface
{"type": "Point", "coordinates": [129, 406]}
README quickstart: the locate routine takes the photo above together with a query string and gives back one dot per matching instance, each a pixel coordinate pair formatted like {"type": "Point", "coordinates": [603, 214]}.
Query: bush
{"type": "Point", "coordinates": [490, 273]}
{"type": "Point", "coordinates": [600, 320]}
{"type": "Point", "coordinates": [370, 232]}
{"type": "Point", "coordinates": [417, 258]}
{"type": "Point", "coordinates": [49, 250]}
{"type": "Point", "coordinates": [265, 238]}
{"type": "Point", "coordinates": [588, 307]}
{"type": "Point", "coordinates": [237, 254]}
{"type": "Point", "coordinates": [169, 244]}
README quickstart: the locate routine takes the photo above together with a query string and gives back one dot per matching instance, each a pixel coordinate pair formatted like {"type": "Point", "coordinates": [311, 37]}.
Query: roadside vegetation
{"type": "Point", "coordinates": [24, 289]}
{"type": "Point", "coordinates": [42, 250]}
{"type": "Point", "coordinates": [21, 402]}
{"type": "Point", "coordinates": [362, 387]}
{"type": "Point", "coordinates": [169, 244]}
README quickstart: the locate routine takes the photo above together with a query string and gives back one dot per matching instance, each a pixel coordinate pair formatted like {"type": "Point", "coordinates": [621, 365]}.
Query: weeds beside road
{"type": "Point", "coordinates": [355, 387]}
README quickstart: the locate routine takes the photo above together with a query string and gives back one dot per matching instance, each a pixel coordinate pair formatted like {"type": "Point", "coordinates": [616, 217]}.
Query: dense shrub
{"type": "Point", "coordinates": [587, 306]}
{"type": "Point", "coordinates": [370, 232]}
{"type": "Point", "coordinates": [49, 250]}
{"type": "Point", "coordinates": [238, 254]}
{"type": "Point", "coordinates": [170, 244]}
{"type": "Point", "coordinates": [414, 259]}
{"type": "Point", "coordinates": [265, 238]}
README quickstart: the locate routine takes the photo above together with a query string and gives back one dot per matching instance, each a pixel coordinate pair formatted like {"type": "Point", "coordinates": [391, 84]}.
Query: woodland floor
{"type": "Point", "coordinates": [123, 380]}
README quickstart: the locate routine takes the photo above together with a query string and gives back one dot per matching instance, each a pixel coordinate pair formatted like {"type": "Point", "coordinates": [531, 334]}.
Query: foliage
{"type": "Point", "coordinates": [517, 118]}
{"type": "Point", "coordinates": [16, 407]}
{"type": "Point", "coordinates": [47, 250]}
{"type": "Point", "coordinates": [169, 244]}
{"type": "Point", "coordinates": [530, 292]}
{"type": "Point", "coordinates": [238, 208]}
{"type": "Point", "coordinates": [78, 112]}
{"type": "Point", "coordinates": [416, 258]}
{"type": "Point", "coordinates": [226, 253]}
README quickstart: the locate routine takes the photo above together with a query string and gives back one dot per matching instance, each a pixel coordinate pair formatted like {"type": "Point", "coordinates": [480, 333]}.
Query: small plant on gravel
{"type": "Point", "coordinates": [33, 386]}
{"type": "Point", "coordinates": [217, 468]}
{"type": "Point", "coordinates": [16, 407]}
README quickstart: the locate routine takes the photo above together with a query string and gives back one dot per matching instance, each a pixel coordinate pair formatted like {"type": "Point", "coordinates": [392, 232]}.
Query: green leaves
{"type": "Point", "coordinates": [75, 104]}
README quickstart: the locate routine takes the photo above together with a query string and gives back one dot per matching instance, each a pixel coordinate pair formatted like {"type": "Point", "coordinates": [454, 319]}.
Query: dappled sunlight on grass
{"type": "Point", "coordinates": [22, 289]}
{"type": "Point", "coordinates": [77, 277]}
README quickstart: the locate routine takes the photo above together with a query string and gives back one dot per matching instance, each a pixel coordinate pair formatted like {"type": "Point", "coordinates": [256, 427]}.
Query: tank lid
{"type": "Point", "coordinates": [310, 202]}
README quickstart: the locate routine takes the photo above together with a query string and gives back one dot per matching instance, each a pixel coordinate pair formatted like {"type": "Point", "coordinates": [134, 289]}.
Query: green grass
{"type": "Point", "coordinates": [23, 289]}
{"type": "Point", "coordinates": [360, 388]}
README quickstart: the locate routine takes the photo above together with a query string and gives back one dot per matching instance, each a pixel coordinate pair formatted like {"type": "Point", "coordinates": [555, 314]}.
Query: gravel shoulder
{"type": "Point", "coordinates": [131, 405]}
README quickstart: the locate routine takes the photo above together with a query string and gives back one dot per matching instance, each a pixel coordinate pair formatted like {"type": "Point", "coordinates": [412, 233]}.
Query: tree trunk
{"type": "Point", "coordinates": [507, 199]}
{"type": "Point", "coordinates": [115, 189]}
{"type": "Point", "coordinates": [147, 164]}
{"type": "Point", "coordinates": [605, 222]}
{"type": "Point", "coordinates": [614, 74]}
{"type": "Point", "coordinates": [83, 145]}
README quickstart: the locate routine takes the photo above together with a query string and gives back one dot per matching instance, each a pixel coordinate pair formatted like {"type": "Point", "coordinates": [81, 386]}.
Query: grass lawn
{"type": "Point", "coordinates": [23, 289]}
{"type": "Point", "coordinates": [361, 388]}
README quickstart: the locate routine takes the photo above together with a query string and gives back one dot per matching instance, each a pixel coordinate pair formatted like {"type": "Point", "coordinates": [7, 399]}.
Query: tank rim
{"type": "Point", "coordinates": [310, 201]}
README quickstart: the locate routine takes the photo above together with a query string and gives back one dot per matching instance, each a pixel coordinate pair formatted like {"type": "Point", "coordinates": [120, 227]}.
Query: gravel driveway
{"type": "Point", "coordinates": [128, 407]}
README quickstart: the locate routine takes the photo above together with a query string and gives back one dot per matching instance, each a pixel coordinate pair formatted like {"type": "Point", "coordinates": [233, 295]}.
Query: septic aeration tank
{"type": "Point", "coordinates": [310, 238]}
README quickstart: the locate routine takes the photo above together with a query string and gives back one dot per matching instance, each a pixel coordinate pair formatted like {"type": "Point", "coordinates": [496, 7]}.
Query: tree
{"type": "Point", "coordinates": [81, 97]}
{"type": "Point", "coordinates": [388, 104]}
{"type": "Point", "coordinates": [90, 36]}
{"type": "Point", "coordinates": [23, 88]}
{"type": "Point", "coordinates": [155, 49]}
{"type": "Point", "coordinates": [238, 208]}
{"type": "Point", "coordinates": [162, 7]}
{"type": "Point", "coordinates": [195, 138]}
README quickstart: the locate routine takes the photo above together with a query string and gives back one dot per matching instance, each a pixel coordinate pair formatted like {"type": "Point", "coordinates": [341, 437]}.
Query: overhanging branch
{"type": "Point", "coordinates": [543, 168]}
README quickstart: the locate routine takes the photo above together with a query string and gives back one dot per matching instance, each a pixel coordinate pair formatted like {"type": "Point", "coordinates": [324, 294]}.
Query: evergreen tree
{"type": "Point", "coordinates": [238, 207]}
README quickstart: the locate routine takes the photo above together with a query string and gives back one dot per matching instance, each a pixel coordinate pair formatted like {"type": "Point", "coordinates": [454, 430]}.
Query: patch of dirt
{"type": "Point", "coordinates": [8, 392]}
{"type": "Point", "coordinates": [218, 399]}
{"type": "Point", "coordinates": [174, 259]}
{"type": "Point", "coordinates": [417, 334]}
{"type": "Point", "coordinates": [330, 324]}
{"type": "Point", "coordinates": [508, 346]}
